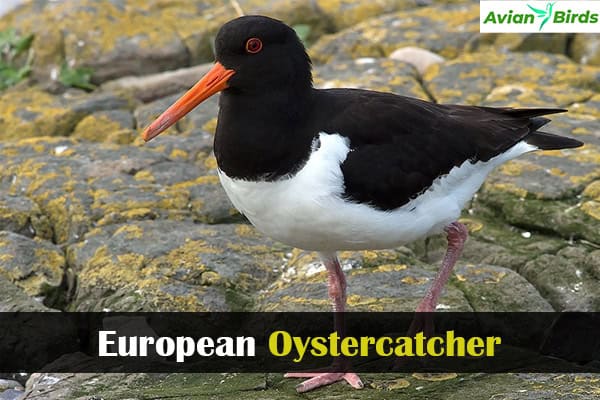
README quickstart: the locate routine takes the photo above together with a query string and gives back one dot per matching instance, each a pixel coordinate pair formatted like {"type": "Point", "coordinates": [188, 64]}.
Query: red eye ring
{"type": "Point", "coordinates": [253, 45]}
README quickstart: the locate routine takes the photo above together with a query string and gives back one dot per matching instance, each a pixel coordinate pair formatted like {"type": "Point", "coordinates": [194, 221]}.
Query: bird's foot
{"type": "Point", "coordinates": [318, 379]}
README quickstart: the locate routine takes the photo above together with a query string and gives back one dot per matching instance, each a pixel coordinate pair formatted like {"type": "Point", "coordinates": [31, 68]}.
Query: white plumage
{"type": "Point", "coordinates": [307, 210]}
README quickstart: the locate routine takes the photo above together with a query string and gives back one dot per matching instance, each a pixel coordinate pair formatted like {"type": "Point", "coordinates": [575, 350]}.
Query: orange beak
{"type": "Point", "coordinates": [214, 81]}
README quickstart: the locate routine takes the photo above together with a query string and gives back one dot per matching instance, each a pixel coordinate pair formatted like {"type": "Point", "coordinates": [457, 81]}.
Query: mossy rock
{"type": "Point", "coordinates": [247, 386]}
{"type": "Point", "coordinates": [381, 74]}
{"type": "Point", "coordinates": [171, 266]}
{"type": "Point", "coordinates": [36, 266]}
{"type": "Point", "coordinates": [380, 36]}
{"type": "Point", "coordinates": [493, 78]}
{"type": "Point", "coordinates": [390, 280]}
{"type": "Point", "coordinates": [21, 215]}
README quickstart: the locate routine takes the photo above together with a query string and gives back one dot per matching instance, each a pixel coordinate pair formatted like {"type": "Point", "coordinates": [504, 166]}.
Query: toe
{"type": "Point", "coordinates": [318, 381]}
{"type": "Point", "coordinates": [354, 380]}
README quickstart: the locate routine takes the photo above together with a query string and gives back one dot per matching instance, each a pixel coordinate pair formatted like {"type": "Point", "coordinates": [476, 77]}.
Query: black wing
{"type": "Point", "coordinates": [400, 145]}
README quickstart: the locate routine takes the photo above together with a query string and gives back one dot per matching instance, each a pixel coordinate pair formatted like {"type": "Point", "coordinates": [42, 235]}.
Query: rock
{"type": "Point", "coordinates": [69, 386]}
{"type": "Point", "coordinates": [33, 112]}
{"type": "Point", "coordinates": [155, 86]}
{"type": "Point", "coordinates": [36, 266]}
{"type": "Point", "coordinates": [88, 103]}
{"type": "Point", "coordinates": [370, 73]}
{"type": "Point", "coordinates": [347, 13]}
{"type": "Point", "coordinates": [195, 149]}
{"type": "Point", "coordinates": [11, 394]}
{"type": "Point", "coordinates": [522, 190]}
{"type": "Point", "coordinates": [490, 289]}
{"type": "Point", "coordinates": [380, 36]}
{"type": "Point", "coordinates": [143, 43]}
{"type": "Point", "coordinates": [170, 265]}
{"type": "Point", "coordinates": [377, 281]}
{"type": "Point", "coordinates": [6, 384]}
{"type": "Point", "coordinates": [20, 215]}
{"type": "Point", "coordinates": [14, 299]}
{"type": "Point", "coordinates": [511, 79]}
{"type": "Point", "coordinates": [503, 245]}
{"type": "Point", "coordinates": [81, 185]}
{"type": "Point", "coordinates": [590, 107]}
{"type": "Point", "coordinates": [565, 279]}
{"type": "Point", "coordinates": [585, 48]}
{"type": "Point", "coordinates": [524, 42]}
{"type": "Point", "coordinates": [156, 37]}
{"type": "Point", "coordinates": [462, 386]}
{"type": "Point", "coordinates": [114, 126]}
{"type": "Point", "coordinates": [420, 59]}
{"type": "Point", "coordinates": [553, 175]}
{"type": "Point", "coordinates": [54, 183]}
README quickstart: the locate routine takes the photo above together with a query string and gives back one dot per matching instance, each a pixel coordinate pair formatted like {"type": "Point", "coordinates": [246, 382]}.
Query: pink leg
{"type": "Point", "coordinates": [336, 285]}
{"type": "Point", "coordinates": [457, 236]}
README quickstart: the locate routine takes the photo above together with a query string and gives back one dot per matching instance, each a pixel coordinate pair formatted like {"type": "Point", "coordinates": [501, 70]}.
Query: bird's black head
{"type": "Point", "coordinates": [265, 54]}
{"type": "Point", "coordinates": [254, 54]}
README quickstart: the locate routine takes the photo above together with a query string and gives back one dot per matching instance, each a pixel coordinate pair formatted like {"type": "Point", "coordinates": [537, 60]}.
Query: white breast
{"type": "Point", "coordinates": [307, 210]}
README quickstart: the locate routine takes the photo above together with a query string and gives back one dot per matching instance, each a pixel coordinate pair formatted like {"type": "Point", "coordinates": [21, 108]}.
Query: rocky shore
{"type": "Point", "coordinates": [85, 204]}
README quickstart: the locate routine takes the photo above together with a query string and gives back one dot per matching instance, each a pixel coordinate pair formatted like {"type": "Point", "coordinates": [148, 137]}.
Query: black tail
{"type": "Point", "coordinates": [543, 140]}
{"type": "Point", "coordinates": [550, 141]}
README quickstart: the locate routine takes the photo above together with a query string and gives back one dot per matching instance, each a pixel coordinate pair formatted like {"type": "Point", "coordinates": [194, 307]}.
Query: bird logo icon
{"type": "Point", "coordinates": [545, 14]}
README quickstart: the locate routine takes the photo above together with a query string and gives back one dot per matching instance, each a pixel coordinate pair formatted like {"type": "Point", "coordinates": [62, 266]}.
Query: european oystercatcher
{"type": "Point", "coordinates": [346, 169]}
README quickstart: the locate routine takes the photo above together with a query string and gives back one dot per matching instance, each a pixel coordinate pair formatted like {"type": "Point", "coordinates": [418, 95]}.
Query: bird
{"type": "Point", "coordinates": [327, 170]}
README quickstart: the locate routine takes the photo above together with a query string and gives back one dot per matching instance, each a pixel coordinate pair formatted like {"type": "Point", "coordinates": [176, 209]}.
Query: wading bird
{"type": "Point", "coordinates": [346, 169]}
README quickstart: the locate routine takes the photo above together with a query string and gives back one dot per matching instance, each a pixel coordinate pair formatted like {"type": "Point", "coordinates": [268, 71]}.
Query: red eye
{"type": "Point", "coordinates": [253, 45]}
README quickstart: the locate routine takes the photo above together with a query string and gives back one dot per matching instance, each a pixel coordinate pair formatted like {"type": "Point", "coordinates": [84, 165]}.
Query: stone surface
{"type": "Point", "coordinates": [530, 79]}
{"type": "Point", "coordinates": [158, 36]}
{"type": "Point", "coordinates": [491, 288]}
{"type": "Point", "coordinates": [380, 36]}
{"type": "Point", "coordinates": [171, 266]}
{"type": "Point", "coordinates": [36, 266]}
{"type": "Point", "coordinates": [81, 185]}
{"type": "Point", "coordinates": [21, 215]}
{"type": "Point", "coordinates": [377, 281]}
{"type": "Point", "coordinates": [371, 73]}
{"type": "Point", "coordinates": [420, 59]}
{"type": "Point", "coordinates": [565, 279]}
{"type": "Point", "coordinates": [586, 48]}
{"type": "Point", "coordinates": [33, 112]}
{"type": "Point", "coordinates": [155, 86]}
{"type": "Point", "coordinates": [11, 394]}
{"type": "Point", "coordinates": [6, 384]}
{"type": "Point", "coordinates": [261, 386]}
{"type": "Point", "coordinates": [14, 299]}
{"type": "Point", "coordinates": [114, 126]}
{"type": "Point", "coordinates": [546, 42]}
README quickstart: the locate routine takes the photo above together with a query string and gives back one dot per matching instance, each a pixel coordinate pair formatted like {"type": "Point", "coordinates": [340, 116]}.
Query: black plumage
{"type": "Point", "coordinates": [270, 116]}
{"type": "Point", "coordinates": [301, 187]}
{"type": "Point", "coordinates": [399, 145]}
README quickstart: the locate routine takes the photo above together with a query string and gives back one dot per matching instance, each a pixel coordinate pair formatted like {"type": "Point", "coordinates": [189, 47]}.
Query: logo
{"type": "Point", "coordinates": [540, 16]}
{"type": "Point", "coordinates": [546, 15]}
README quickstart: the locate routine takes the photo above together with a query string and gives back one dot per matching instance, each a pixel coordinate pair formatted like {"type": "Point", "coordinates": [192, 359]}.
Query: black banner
{"type": "Point", "coordinates": [283, 342]}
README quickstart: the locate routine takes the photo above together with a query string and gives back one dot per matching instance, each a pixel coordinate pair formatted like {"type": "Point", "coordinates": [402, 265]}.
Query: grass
{"type": "Point", "coordinates": [14, 67]}
{"type": "Point", "coordinates": [16, 59]}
